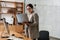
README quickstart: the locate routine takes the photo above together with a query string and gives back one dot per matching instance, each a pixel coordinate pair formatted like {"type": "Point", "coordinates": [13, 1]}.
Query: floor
{"type": "Point", "coordinates": [15, 38]}
{"type": "Point", "coordinates": [54, 38]}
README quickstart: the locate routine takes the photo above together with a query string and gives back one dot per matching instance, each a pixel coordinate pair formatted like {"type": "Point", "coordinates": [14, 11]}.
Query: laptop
{"type": "Point", "coordinates": [21, 18]}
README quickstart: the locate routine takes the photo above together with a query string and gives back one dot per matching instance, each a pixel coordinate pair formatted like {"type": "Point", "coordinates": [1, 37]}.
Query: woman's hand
{"type": "Point", "coordinates": [26, 23]}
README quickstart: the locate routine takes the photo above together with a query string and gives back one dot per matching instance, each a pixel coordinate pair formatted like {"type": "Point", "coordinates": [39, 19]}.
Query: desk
{"type": "Point", "coordinates": [17, 30]}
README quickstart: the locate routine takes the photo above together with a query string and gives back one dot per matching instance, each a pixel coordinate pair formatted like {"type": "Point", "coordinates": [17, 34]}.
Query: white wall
{"type": "Point", "coordinates": [49, 15]}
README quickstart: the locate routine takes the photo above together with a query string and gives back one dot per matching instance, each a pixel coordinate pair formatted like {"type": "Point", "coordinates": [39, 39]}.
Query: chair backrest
{"type": "Point", "coordinates": [44, 35]}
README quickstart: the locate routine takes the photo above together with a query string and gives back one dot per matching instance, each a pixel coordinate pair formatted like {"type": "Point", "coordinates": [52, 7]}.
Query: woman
{"type": "Point", "coordinates": [33, 29]}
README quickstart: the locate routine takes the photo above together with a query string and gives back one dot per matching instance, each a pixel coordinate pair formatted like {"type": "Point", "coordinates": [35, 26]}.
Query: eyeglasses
{"type": "Point", "coordinates": [28, 8]}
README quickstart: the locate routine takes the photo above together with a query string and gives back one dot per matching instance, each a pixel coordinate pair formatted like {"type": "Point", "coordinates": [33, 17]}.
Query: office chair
{"type": "Point", "coordinates": [43, 35]}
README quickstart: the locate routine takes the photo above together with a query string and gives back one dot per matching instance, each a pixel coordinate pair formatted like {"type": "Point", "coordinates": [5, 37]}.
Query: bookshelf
{"type": "Point", "coordinates": [20, 7]}
{"type": "Point", "coordinates": [9, 7]}
{"type": "Point", "coordinates": [5, 6]}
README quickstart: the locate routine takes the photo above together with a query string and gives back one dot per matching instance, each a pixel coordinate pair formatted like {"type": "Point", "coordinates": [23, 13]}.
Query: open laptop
{"type": "Point", "coordinates": [21, 18]}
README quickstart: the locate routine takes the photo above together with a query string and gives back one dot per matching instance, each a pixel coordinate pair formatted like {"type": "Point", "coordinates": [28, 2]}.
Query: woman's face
{"type": "Point", "coordinates": [29, 9]}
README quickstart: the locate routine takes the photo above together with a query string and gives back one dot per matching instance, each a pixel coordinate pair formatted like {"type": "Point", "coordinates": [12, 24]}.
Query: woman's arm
{"type": "Point", "coordinates": [35, 19]}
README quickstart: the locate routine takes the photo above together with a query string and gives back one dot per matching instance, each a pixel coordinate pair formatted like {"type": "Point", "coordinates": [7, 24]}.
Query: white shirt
{"type": "Point", "coordinates": [29, 16]}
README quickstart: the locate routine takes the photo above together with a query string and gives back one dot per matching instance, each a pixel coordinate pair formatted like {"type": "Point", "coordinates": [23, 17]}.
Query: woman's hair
{"type": "Point", "coordinates": [30, 5]}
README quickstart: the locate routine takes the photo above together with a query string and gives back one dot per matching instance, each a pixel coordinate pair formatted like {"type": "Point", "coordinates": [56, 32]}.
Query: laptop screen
{"type": "Point", "coordinates": [21, 18]}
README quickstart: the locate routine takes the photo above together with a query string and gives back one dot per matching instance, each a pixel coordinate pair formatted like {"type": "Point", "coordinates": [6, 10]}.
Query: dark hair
{"type": "Point", "coordinates": [30, 5]}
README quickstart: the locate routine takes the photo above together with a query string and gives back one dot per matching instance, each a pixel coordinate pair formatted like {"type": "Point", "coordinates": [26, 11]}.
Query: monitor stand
{"type": "Point", "coordinates": [5, 33]}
